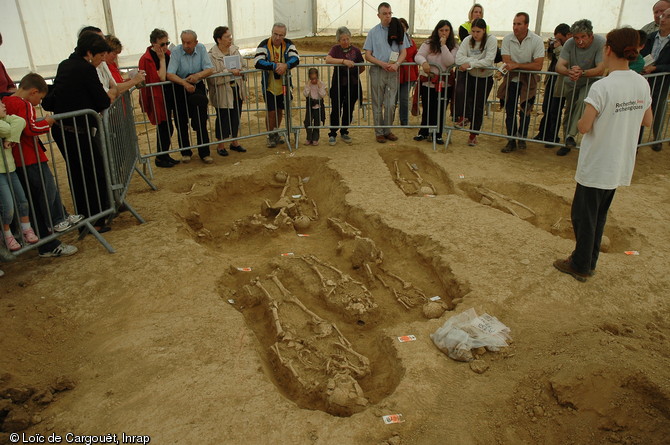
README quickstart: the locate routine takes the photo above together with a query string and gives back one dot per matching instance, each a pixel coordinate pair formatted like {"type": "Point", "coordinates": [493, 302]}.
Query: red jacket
{"type": "Point", "coordinates": [409, 73]}
{"type": "Point", "coordinates": [151, 98]}
{"type": "Point", "coordinates": [28, 152]}
{"type": "Point", "coordinates": [116, 74]}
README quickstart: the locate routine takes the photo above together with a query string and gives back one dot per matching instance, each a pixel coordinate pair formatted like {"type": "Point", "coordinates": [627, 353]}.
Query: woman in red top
{"type": "Point", "coordinates": [408, 76]}
{"type": "Point", "coordinates": [158, 101]}
{"type": "Point", "coordinates": [6, 84]}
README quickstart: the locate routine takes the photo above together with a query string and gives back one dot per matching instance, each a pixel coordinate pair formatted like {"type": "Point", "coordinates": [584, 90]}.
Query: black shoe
{"type": "Point", "coordinates": [419, 137]}
{"type": "Point", "coordinates": [521, 145]}
{"type": "Point", "coordinates": [570, 143]}
{"type": "Point", "coordinates": [222, 151]}
{"type": "Point", "coordinates": [163, 163]}
{"type": "Point", "coordinates": [510, 147]}
{"type": "Point", "coordinates": [238, 148]}
{"type": "Point", "coordinates": [439, 141]}
{"type": "Point", "coordinates": [173, 161]}
{"type": "Point", "coordinates": [657, 147]}
{"type": "Point", "coordinates": [563, 151]}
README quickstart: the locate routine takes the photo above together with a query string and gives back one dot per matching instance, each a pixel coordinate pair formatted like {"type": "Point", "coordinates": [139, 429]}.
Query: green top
{"type": "Point", "coordinates": [637, 65]}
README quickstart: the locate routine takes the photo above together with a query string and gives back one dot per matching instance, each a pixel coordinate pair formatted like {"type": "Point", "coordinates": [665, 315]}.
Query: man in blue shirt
{"type": "Point", "coordinates": [189, 65]}
{"type": "Point", "coordinates": [387, 58]}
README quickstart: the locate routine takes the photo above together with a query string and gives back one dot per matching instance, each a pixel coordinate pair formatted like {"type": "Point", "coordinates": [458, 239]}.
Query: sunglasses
{"type": "Point", "coordinates": [165, 43]}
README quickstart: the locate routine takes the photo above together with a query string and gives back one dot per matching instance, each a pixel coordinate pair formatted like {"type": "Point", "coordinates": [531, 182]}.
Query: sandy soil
{"type": "Point", "coordinates": [168, 338]}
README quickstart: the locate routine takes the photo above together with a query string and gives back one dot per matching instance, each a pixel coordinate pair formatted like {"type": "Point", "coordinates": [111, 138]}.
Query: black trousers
{"type": "Point", "coordinates": [478, 89]}
{"type": "Point", "coordinates": [589, 214]}
{"type": "Point", "coordinates": [552, 108]}
{"type": "Point", "coordinates": [525, 105]}
{"type": "Point", "coordinates": [197, 114]}
{"type": "Point", "coordinates": [432, 101]}
{"type": "Point", "coordinates": [312, 118]}
{"type": "Point", "coordinates": [165, 129]}
{"type": "Point", "coordinates": [228, 119]}
{"type": "Point", "coordinates": [342, 99]}
{"type": "Point", "coordinates": [86, 171]}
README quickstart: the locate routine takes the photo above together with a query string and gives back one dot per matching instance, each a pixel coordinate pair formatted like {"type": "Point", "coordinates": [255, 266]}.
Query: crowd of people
{"type": "Point", "coordinates": [449, 72]}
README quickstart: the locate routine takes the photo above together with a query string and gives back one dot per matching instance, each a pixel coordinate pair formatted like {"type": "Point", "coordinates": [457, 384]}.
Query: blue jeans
{"type": "Point", "coordinates": [47, 204]}
{"type": "Point", "coordinates": [403, 101]}
{"type": "Point", "coordinates": [7, 199]}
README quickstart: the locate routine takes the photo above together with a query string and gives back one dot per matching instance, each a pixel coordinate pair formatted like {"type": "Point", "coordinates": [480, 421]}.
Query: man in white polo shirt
{"type": "Point", "coordinates": [521, 50]}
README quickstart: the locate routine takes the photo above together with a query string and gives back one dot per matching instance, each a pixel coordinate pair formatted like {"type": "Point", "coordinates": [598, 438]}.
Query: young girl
{"type": "Point", "coordinates": [614, 109]}
{"type": "Point", "coordinates": [314, 92]}
{"type": "Point", "coordinates": [440, 49]}
{"type": "Point", "coordinates": [10, 130]}
{"type": "Point", "coordinates": [477, 52]}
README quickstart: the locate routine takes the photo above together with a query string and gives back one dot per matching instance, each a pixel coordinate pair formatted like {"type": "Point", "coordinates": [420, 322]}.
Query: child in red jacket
{"type": "Point", "coordinates": [34, 173]}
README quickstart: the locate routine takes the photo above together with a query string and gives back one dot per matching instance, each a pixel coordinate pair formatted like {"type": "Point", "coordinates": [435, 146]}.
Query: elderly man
{"type": "Point", "coordinates": [552, 106]}
{"type": "Point", "coordinates": [387, 58]}
{"type": "Point", "coordinates": [276, 56]}
{"type": "Point", "coordinates": [189, 65]}
{"type": "Point", "coordinates": [657, 45]}
{"type": "Point", "coordinates": [521, 50]}
{"type": "Point", "coordinates": [658, 9]}
{"type": "Point", "coordinates": [581, 58]}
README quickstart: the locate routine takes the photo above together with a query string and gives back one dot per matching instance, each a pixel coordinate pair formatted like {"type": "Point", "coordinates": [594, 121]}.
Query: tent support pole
{"type": "Point", "coordinates": [229, 11]}
{"type": "Point", "coordinates": [412, 4]}
{"type": "Point", "coordinates": [618, 22]}
{"type": "Point", "coordinates": [540, 14]}
{"type": "Point", "coordinates": [109, 21]}
{"type": "Point", "coordinates": [315, 18]}
{"type": "Point", "coordinates": [31, 62]}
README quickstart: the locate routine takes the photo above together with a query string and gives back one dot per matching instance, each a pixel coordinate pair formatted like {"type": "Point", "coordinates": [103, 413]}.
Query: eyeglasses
{"type": "Point", "coordinates": [165, 43]}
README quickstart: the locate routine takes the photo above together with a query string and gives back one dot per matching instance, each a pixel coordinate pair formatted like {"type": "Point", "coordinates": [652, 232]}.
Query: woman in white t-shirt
{"type": "Point", "coordinates": [614, 109]}
{"type": "Point", "coordinates": [474, 56]}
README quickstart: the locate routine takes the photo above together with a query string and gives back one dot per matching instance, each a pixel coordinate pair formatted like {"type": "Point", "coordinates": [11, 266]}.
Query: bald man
{"type": "Point", "coordinates": [658, 9]}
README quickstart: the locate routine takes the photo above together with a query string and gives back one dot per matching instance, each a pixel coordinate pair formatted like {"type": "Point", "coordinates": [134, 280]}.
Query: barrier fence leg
{"type": "Point", "coordinates": [89, 229]}
{"type": "Point", "coordinates": [146, 179]}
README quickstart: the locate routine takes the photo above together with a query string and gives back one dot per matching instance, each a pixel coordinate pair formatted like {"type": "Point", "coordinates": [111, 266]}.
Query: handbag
{"type": "Point", "coordinates": [415, 100]}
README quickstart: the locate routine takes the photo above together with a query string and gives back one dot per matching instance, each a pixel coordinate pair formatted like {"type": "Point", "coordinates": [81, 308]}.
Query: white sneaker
{"type": "Point", "coordinates": [347, 139]}
{"type": "Point", "coordinates": [62, 226]}
{"type": "Point", "coordinates": [74, 219]}
{"type": "Point", "coordinates": [185, 159]}
{"type": "Point", "coordinates": [1, 273]}
{"type": "Point", "coordinates": [62, 250]}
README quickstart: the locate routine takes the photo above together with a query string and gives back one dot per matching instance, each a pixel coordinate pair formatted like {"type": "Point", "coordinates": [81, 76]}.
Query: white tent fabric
{"type": "Point", "coordinates": [38, 34]}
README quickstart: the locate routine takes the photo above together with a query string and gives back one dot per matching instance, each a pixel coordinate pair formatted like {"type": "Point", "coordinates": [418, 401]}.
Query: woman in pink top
{"type": "Point", "coordinates": [440, 49]}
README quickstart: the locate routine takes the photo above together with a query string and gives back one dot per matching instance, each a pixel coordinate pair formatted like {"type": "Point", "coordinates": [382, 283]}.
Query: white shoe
{"type": "Point", "coordinates": [62, 250]}
{"type": "Point", "coordinates": [74, 219]}
{"type": "Point", "coordinates": [185, 159]}
{"type": "Point", "coordinates": [1, 273]}
{"type": "Point", "coordinates": [62, 226]}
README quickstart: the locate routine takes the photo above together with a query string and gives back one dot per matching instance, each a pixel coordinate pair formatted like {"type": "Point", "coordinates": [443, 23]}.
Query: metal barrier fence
{"type": "Point", "coordinates": [538, 106]}
{"type": "Point", "coordinates": [378, 94]}
{"type": "Point", "coordinates": [173, 118]}
{"type": "Point", "coordinates": [81, 186]}
{"type": "Point", "coordinates": [55, 206]}
{"type": "Point", "coordinates": [167, 111]}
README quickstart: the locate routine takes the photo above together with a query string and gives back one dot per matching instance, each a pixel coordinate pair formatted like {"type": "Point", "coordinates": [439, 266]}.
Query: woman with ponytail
{"type": "Point", "coordinates": [614, 109]}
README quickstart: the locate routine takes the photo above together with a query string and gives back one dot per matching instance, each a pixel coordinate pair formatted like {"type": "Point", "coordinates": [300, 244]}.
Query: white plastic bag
{"type": "Point", "coordinates": [465, 331]}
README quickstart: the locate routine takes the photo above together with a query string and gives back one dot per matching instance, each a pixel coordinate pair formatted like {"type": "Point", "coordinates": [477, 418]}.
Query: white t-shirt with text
{"type": "Point", "coordinates": [607, 154]}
